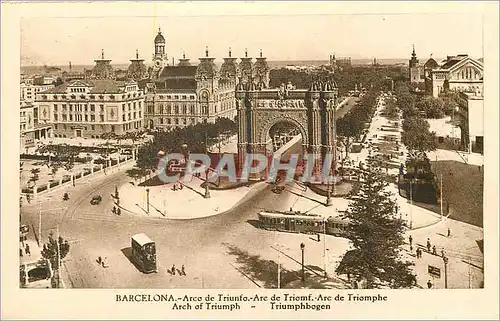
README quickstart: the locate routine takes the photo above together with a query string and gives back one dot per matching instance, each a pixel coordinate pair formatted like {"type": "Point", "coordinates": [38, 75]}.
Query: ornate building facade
{"type": "Point", "coordinates": [458, 73]}
{"type": "Point", "coordinates": [89, 108]}
{"type": "Point", "coordinates": [186, 94]}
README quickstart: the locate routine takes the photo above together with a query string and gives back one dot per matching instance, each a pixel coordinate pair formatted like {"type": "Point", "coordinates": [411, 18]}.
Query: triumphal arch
{"type": "Point", "coordinates": [311, 110]}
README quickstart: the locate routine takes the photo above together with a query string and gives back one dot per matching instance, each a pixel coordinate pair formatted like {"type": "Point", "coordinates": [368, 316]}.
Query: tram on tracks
{"type": "Point", "coordinates": [297, 222]}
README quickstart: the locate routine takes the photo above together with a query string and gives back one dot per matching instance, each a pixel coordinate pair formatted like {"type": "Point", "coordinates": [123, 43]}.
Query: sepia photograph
{"type": "Point", "coordinates": [315, 152]}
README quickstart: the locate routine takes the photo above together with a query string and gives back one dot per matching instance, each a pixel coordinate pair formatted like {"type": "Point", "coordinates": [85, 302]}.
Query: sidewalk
{"type": "Point", "coordinates": [188, 203]}
{"type": "Point", "coordinates": [463, 157]}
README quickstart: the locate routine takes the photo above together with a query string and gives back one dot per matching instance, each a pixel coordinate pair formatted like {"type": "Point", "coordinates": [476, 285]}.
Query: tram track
{"type": "Point", "coordinates": [72, 208]}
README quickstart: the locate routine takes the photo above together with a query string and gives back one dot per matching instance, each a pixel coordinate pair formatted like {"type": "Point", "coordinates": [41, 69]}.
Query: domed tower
{"type": "Point", "coordinates": [246, 68]}
{"type": "Point", "coordinates": [137, 70]}
{"type": "Point", "coordinates": [207, 84]}
{"type": "Point", "coordinates": [184, 61]}
{"type": "Point", "coordinates": [160, 56]}
{"type": "Point", "coordinates": [229, 70]}
{"type": "Point", "coordinates": [102, 68]}
{"type": "Point", "coordinates": [261, 71]}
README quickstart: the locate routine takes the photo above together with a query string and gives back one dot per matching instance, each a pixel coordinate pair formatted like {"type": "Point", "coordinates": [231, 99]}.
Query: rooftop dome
{"type": "Point", "coordinates": [207, 67]}
{"type": "Point", "coordinates": [329, 85]}
{"type": "Point", "coordinates": [228, 68]}
{"type": "Point", "coordinates": [159, 37]}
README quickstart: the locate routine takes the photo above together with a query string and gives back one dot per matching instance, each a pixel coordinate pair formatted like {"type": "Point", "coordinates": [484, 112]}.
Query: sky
{"type": "Point", "coordinates": [56, 41]}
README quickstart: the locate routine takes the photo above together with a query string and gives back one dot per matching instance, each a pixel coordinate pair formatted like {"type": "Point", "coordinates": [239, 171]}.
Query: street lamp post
{"type": "Point", "coordinates": [411, 207]}
{"type": "Point", "coordinates": [445, 259]}
{"type": "Point", "coordinates": [147, 200]}
{"type": "Point", "coordinates": [303, 277]}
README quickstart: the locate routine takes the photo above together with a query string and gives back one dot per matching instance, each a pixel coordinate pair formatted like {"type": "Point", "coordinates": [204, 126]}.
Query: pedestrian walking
{"type": "Point", "coordinates": [114, 210]}
{"type": "Point", "coordinates": [419, 253]}
{"type": "Point", "coordinates": [27, 250]}
{"type": "Point", "coordinates": [429, 284]}
{"type": "Point", "coordinates": [99, 260]}
{"type": "Point", "coordinates": [181, 187]}
{"type": "Point", "coordinates": [20, 252]}
{"type": "Point", "coordinates": [411, 248]}
{"type": "Point", "coordinates": [319, 238]}
{"type": "Point", "coordinates": [428, 245]}
{"type": "Point", "coordinates": [118, 211]}
{"type": "Point", "coordinates": [442, 252]}
{"type": "Point", "coordinates": [449, 232]}
{"type": "Point", "coordinates": [411, 240]}
{"type": "Point", "coordinates": [447, 208]}
{"type": "Point", "coordinates": [173, 269]}
{"type": "Point", "coordinates": [183, 270]}
{"type": "Point", "coordinates": [434, 250]}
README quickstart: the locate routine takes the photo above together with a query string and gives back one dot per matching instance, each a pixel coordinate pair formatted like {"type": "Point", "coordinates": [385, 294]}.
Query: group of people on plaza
{"type": "Point", "coordinates": [102, 262]}
{"type": "Point", "coordinates": [181, 272]}
{"type": "Point", "coordinates": [430, 248]}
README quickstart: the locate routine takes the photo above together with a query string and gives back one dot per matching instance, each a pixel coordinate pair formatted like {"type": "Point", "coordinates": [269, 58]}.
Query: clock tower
{"type": "Point", "coordinates": [160, 56]}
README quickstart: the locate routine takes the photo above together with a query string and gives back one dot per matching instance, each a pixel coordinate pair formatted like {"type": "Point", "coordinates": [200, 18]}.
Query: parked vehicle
{"type": "Point", "coordinates": [97, 199]}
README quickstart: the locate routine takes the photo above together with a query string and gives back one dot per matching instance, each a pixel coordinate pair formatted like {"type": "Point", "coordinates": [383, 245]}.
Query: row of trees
{"type": "Point", "coordinates": [431, 107]}
{"type": "Point", "coordinates": [350, 127]}
{"type": "Point", "coordinates": [347, 79]}
{"type": "Point", "coordinates": [196, 137]}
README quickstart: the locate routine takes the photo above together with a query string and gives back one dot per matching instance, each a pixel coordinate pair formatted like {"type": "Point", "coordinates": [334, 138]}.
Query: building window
{"type": "Point", "coordinates": [55, 108]}
{"type": "Point", "coordinates": [101, 108]}
{"type": "Point", "coordinates": [161, 121]}
{"type": "Point", "coordinates": [55, 117]}
{"type": "Point", "coordinates": [129, 116]}
{"type": "Point", "coordinates": [92, 107]}
{"type": "Point", "coordinates": [92, 118]}
{"type": "Point", "coordinates": [140, 114]}
{"type": "Point", "coordinates": [101, 118]}
{"type": "Point", "coordinates": [169, 109]}
{"type": "Point", "coordinates": [123, 117]}
{"type": "Point", "coordinates": [135, 115]}
{"type": "Point", "coordinates": [112, 128]}
{"type": "Point", "coordinates": [55, 126]}
{"type": "Point", "coordinates": [177, 121]}
{"type": "Point", "coordinates": [184, 109]}
{"type": "Point", "coordinates": [92, 127]}
{"type": "Point", "coordinates": [64, 117]}
{"type": "Point", "coordinates": [70, 117]}
{"type": "Point", "coordinates": [191, 109]}
{"type": "Point", "coordinates": [161, 97]}
{"type": "Point", "coordinates": [169, 97]}
{"type": "Point", "coordinates": [184, 97]}
{"type": "Point", "coordinates": [176, 109]}
{"type": "Point", "coordinates": [123, 107]}
{"type": "Point", "coordinates": [169, 121]}
{"type": "Point", "coordinates": [86, 118]}
{"type": "Point", "coordinates": [70, 108]}
{"type": "Point", "coordinates": [134, 104]}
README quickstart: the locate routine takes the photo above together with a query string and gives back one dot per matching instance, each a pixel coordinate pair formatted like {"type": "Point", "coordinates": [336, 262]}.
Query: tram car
{"type": "Point", "coordinates": [297, 222]}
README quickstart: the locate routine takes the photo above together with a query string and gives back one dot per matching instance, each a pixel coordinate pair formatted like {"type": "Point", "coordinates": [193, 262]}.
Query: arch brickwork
{"type": "Point", "coordinates": [311, 110]}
